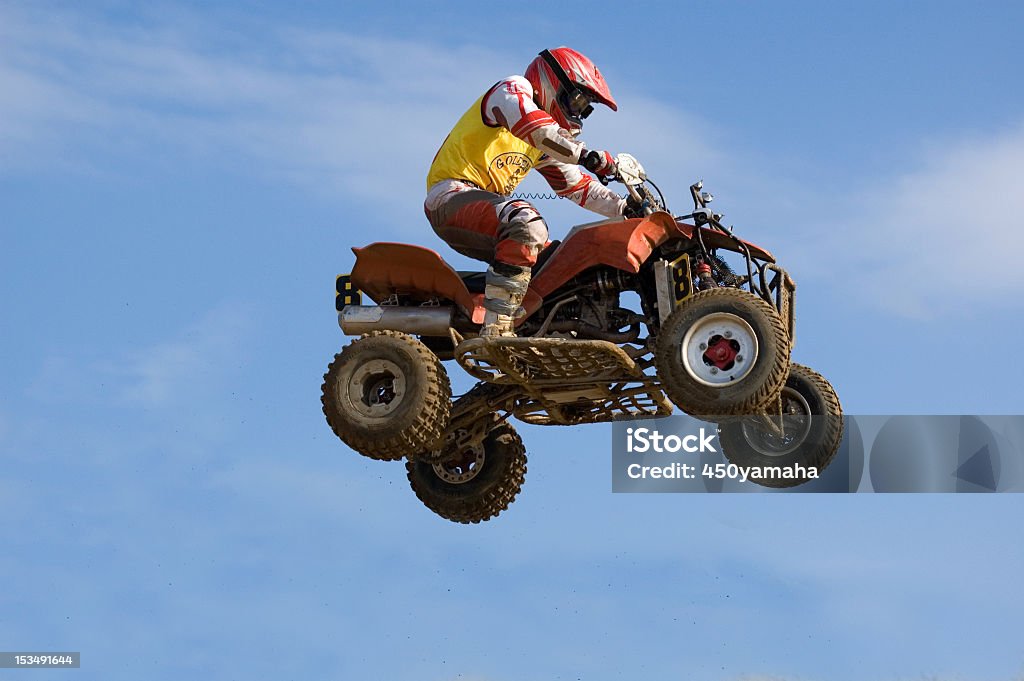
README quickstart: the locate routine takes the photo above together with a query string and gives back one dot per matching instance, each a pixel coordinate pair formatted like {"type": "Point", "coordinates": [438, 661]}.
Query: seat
{"type": "Point", "coordinates": [476, 281]}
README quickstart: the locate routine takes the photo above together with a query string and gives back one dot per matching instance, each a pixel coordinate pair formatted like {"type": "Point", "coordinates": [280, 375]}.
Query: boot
{"type": "Point", "coordinates": [503, 295]}
{"type": "Point", "coordinates": [496, 323]}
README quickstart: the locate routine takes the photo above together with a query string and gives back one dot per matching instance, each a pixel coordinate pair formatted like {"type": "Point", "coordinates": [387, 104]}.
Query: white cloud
{"type": "Point", "coordinates": [179, 370]}
{"type": "Point", "coordinates": [327, 109]}
{"type": "Point", "coordinates": [202, 353]}
{"type": "Point", "coordinates": [942, 238]}
{"type": "Point", "coordinates": [349, 115]}
{"type": "Point", "coordinates": [333, 111]}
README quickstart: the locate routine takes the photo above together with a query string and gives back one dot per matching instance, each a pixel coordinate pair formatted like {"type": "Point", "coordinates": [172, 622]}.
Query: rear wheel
{"type": "Point", "coordinates": [812, 420]}
{"type": "Point", "coordinates": [387, 396]}
{"type": "Point", "coordinates": [473, 483]}
{"type": "Point", "coordinates": [723, 352]}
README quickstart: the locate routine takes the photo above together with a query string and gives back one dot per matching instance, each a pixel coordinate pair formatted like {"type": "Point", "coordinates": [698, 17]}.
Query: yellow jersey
{"type": "Point", "coordinates": [490, 157]}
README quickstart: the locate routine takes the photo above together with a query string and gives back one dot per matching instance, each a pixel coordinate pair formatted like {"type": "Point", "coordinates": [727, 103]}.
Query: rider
{"type": "Point", "coordinates": [518, 124]}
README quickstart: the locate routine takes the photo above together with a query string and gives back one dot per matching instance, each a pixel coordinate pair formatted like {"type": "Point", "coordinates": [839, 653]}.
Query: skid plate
{"type": "Point", "coordinates": [545, 361]}
{"type": "Point", "coordinates": [619, 402]}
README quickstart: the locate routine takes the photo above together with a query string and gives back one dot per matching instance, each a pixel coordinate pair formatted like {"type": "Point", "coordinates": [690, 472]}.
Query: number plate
{"type": "Point", "coordinates": [345, 293]}
{"type": "Point", "coordinates": [682, 278]}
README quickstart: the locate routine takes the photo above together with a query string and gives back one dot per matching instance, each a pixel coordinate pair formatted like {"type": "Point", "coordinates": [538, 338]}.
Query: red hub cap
{"type": "Point", "coordinates": [721, 352]}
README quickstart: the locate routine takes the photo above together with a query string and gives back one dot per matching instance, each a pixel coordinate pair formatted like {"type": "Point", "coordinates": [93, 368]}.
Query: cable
{"type": "Point", "coordinates": [533, 196]}
{"type": "Point", "coordinates": [538, 196]}
{"type": "Point", "coordinates": [661, 197]}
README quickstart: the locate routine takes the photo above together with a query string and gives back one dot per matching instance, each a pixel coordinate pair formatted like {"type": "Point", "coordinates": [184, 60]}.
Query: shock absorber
{"type": "Point", "coordinates": [704, 275]}
{"type": "Point", "coordinates": [612, 281]}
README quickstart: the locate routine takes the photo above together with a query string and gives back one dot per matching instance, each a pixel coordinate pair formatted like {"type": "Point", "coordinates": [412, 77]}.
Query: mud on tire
{"type": "Point", "coordinates": [386, 396]}
{"type": "Point", "coordinates": [474, 484]}
{"type": "Point", "coordinates": [812, 441]}
{"type": "Point", "coordinates": [723, 352]}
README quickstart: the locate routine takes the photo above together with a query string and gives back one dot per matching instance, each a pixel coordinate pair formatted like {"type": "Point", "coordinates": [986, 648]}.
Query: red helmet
{"type": "Point", "coordinates": [565, 84]}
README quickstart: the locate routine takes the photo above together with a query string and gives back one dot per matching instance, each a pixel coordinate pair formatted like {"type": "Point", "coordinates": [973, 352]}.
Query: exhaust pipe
{"type": "Point", "coordinates": [356, 320]}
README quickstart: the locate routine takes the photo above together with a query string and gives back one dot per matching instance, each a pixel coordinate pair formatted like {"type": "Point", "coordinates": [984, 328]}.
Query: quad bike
{"type": "Point", "coordinates": [708, 338]}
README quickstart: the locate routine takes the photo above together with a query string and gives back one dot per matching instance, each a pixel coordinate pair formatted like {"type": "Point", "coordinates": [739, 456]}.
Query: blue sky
{"type": "Point", "coordinates": [179, 184]}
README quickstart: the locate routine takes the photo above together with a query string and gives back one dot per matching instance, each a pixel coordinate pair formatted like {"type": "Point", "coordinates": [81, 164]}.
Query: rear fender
{"type": "Point", "coordinates": [383, 269]}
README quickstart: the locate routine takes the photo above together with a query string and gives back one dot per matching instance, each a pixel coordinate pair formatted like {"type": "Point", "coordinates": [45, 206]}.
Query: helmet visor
{"type": "Point", "coordinates": [575, 103]}
{"type": "Point", "coordinates": [579, 103]}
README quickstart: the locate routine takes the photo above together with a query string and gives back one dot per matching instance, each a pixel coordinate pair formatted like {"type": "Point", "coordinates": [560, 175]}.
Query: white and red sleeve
{"type": "Point", "coordinates": [571, 183]}
{"type": "Point", "coordinates": [510, 104]}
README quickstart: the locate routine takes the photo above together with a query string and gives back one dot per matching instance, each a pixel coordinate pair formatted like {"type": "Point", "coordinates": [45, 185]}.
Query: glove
{"type": "Point", "coordinates": [600, 163]}
{"type": "Point", "coordinates": [634, 208]}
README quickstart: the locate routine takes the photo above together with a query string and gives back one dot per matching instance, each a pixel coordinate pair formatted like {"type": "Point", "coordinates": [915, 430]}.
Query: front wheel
{"type": "Point", "coordinates": [812, 420]}
{"type": "Point", "coordinates": [723, 352]}
{"type": "Point", "coordinates": [473, 483]}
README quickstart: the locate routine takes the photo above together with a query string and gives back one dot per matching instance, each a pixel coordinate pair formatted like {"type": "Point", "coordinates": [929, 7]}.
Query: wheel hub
{"type": "Point", "coordinates": [722, 352]}
{"type": "Point", "coordinates": [462, 467]}
{"type": "Point", "coordinates": [377, 388]}
{"type": "Point", "coordinates": [719, 349]}
{"type": "Point", "coordinates": [796, 424]}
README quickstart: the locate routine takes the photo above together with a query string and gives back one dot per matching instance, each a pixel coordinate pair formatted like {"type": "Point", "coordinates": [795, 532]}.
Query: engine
{"type": "Point", "coordinates": [589, 307]}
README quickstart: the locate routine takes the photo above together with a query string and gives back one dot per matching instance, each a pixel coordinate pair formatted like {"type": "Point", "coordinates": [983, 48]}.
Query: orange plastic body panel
{"type": "Point", "coordinates": [383, 268]}
{"type": "Point", "coordinates": [624, 245]}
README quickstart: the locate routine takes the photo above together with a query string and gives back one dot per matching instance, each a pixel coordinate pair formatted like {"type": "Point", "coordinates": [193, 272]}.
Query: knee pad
{"type": "Point", "coordinates": [520, 222]}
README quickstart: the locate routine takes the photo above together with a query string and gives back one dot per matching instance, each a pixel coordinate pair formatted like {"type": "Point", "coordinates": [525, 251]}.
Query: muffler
{"type": "Point", "coordinates": [417, 321]}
